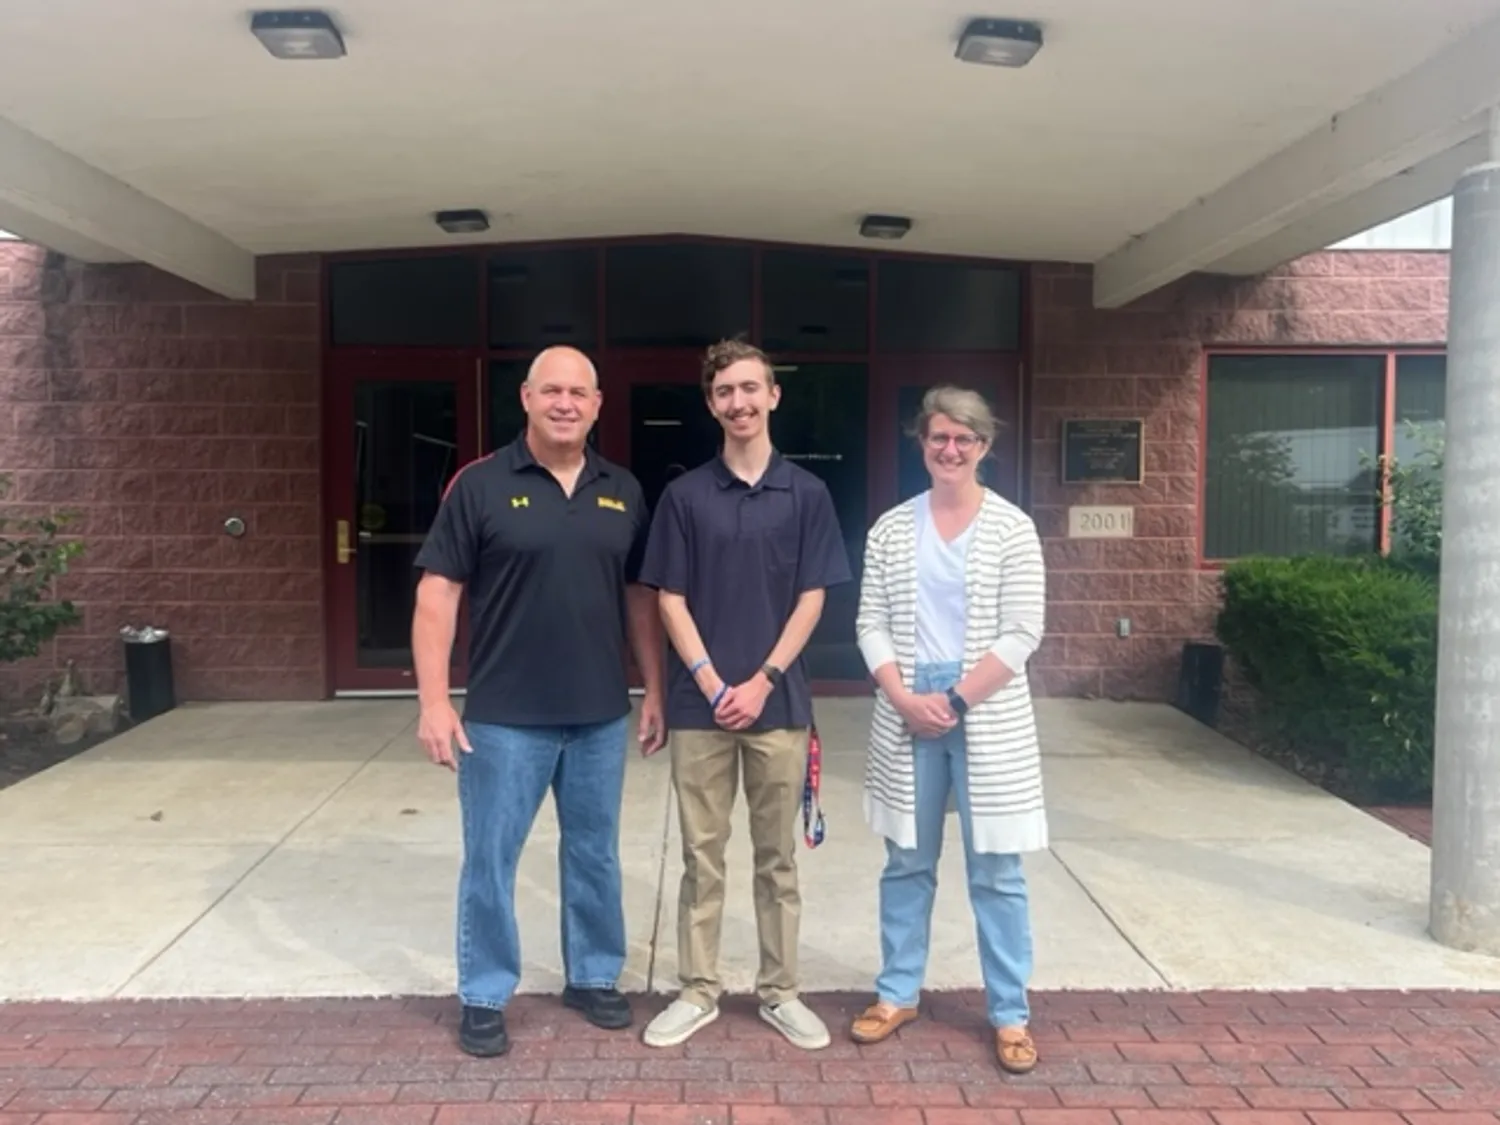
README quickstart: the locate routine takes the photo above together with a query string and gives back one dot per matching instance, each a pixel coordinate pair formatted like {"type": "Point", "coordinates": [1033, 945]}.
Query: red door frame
{"type": "Point", "coordinates": [344, 370]}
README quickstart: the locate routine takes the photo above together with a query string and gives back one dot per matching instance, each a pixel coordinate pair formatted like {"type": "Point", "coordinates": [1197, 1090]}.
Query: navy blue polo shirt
{"type": "Point", "coordinates": [545, 576]}
{"type": "Point", "coordinates": [742, 555]}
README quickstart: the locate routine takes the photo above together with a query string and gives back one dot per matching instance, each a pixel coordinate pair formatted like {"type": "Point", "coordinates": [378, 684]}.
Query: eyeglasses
{"type": "Point", "coordinates": [962, 442]}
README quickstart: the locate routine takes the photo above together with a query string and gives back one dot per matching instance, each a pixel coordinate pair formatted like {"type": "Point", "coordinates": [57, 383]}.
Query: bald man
{"type": "Point", "coordinates": [546, 539]}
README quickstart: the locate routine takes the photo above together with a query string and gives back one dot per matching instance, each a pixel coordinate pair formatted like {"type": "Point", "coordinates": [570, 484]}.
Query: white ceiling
{"type": "Point", "coordinates": [775, 119]}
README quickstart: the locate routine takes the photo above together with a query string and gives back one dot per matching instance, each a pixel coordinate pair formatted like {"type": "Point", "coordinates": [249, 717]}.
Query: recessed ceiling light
{"type": "Point", "coordinates": [470, 221]}
{"type": "Point", "coordinates": [999, 42]}
{"type": "Point", "coordinates": [888, 227]}
{"type": "Point", "coordinates": [298, 35]}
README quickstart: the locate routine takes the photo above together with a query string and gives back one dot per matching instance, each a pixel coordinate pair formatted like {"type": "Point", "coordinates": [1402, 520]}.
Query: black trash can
{"type": "Point", "coordinates": [149, 690]}
{"type": "Point", "coordinates": [1200, 680]}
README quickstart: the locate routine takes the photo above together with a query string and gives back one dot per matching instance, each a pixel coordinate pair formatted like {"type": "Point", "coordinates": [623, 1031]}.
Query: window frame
{"type": "Point", "coordinates": [1391, 356]}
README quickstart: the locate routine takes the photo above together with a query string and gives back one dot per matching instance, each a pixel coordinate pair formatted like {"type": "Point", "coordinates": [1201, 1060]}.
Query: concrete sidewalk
{"type": "Point", "coordinates": [300, 850]}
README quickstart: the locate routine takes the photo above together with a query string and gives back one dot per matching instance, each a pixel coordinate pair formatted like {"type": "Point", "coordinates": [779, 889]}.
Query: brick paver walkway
{"type": "Point", "coordinates": [1414, 820]}
{"type": "Point", "coordinates": [1232, 1059]}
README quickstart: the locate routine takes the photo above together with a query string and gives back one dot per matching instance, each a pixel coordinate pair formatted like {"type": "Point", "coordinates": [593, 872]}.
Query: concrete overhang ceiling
{"type": "Point", "coordinates": [1151, 137]}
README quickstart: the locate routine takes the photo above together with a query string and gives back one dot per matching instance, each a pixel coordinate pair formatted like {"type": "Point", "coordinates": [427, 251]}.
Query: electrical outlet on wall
{"type": "Point", "coordinates": [1122, 627]}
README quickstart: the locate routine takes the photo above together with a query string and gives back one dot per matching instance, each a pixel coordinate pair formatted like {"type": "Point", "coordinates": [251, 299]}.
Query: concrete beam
{"type": "Point", "coordinates": [55, 199]}
{"type": "Point", "coordinates": [25, 225]}
{"type": "Point", "coordinates": [1431, 109]}
{"type": "Point", "coordinates": [1416, 187]}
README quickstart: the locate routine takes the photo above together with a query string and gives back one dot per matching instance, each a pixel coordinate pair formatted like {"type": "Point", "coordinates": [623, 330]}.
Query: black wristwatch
{"type": "Point", "coordinates": [773, 674]}
{"type": "Point", "coordinates": [958, 703]}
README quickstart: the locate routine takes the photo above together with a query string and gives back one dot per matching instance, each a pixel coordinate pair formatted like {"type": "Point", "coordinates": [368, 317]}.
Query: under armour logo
{"type": "Point", "coordinates": [520, 501]}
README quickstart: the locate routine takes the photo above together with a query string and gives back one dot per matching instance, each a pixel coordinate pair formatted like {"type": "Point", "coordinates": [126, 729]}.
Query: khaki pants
{"type": "Point", "coordinates": [705, 770]}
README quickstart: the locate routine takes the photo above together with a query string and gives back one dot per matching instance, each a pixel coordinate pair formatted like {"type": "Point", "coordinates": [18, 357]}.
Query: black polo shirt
{"type": "Point", "coordinates": [742, 555]}
{"type": "Point", "coordinates": [545, 578]}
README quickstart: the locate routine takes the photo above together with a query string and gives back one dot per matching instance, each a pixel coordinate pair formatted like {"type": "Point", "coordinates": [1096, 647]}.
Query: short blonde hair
{"type": "Point", "coordinates": [966, 407]}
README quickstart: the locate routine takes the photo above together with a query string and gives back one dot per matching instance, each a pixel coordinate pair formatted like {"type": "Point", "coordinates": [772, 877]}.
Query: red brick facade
{"type": "Point", "coordinates": [157, 411]}
{"type": "Point", "coordinates": [1147, 361]}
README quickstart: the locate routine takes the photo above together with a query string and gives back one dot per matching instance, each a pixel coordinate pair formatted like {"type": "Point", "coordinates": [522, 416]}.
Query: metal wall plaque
{"type": "Point", "coordinates": [1103, 451]}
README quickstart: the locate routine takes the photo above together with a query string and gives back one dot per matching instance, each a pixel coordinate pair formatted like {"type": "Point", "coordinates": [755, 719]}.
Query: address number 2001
{"type": "Point", "coordinates": [1101, 522]}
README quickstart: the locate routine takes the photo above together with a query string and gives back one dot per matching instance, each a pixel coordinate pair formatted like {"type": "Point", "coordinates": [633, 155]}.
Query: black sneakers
{"type": "Point", "coordinates": [602, 1007]}
{"type": "Point", "coordinates": [482, 1033]}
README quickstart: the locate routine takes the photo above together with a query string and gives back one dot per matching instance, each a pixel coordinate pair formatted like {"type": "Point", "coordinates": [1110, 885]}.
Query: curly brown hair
{"type": "Point", "coordinates": [725, 354]}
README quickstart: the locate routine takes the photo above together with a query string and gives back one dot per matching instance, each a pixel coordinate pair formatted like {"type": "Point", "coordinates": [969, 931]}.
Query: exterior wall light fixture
{"type": "Point", "coordinates": [887, 227]}
{"type": "Point", "coordinates": [463, 222]}
{"type": "Point", "coordinates": [1010, 43]}
{"type": "Point", "coordinates": [298, 35]}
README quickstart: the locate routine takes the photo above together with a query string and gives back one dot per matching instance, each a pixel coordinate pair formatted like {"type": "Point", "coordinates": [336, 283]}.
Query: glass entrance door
{"type": "Point", "coordinates": [403, 428]}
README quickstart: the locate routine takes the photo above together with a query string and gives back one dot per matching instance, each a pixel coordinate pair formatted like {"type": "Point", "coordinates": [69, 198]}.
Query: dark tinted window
{"type": "Point", "coordinates": [677, 295]}
{"type": "Point", "coordinates": [671, 431]}
{"type": "Point", "coordinates": [1421, 408]}
{"type": "Point", "coordinates": [942, 306]}
{"type": "Point", "coordinates": [415, 302]}
{"type": "Point", "coordinates": [814, 302]}
{"type": "Point", "coordinates": [543, 297]}
{"type": "Point", "coordinates": [507, 419]}
{"type": "Point", "coordinates": [1289, 462]}
{"type": "Point", "coordinates": [911, 470]}
{"type": "Point", "coordinates": [1421, 402]}
{"type": "Point", "coordinates": [405, 454]}
{"type": "Point", "coordinates": [821, 426]}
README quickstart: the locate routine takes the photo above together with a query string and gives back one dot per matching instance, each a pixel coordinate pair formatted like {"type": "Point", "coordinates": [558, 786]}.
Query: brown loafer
{"type": "Point", "coordinates": [1015, 1050]}
{"type": "Point", "coordinates": [879, 1022]}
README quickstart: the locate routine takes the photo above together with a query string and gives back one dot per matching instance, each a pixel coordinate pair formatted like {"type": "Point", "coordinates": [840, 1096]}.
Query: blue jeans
{"type": "Point", "coordinates": [501, 786]}
{"type": "Point", "coordinates": [908, 885]}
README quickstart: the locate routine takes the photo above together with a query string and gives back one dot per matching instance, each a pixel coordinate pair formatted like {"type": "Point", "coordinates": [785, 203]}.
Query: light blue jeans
{"type": "Point", "coordinates": [501, 786]}
{"type": "Point", "coordinates": [997, 884]}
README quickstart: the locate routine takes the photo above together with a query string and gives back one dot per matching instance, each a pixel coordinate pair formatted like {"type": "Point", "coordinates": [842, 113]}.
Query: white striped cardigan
{"type": "Point", "coordinates": [1005, 587]}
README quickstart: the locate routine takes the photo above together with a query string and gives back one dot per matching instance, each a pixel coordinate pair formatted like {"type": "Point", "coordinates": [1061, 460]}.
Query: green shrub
{"type": "Point", "coordinates": [32, 557]}
{"type": "Point", "coordinates": [1343, 653]}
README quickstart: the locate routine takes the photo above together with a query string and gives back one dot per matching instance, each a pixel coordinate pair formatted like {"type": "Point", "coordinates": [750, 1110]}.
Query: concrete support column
{"type": "Point", "coordinates": [1465, 904]}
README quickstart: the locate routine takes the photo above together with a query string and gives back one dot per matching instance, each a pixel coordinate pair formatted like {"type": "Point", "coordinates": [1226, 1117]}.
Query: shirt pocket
{"type": "Point", "coordinates": [768, 528]}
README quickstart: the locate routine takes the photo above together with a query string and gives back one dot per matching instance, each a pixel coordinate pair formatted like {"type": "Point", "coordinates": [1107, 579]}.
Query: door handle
{"type": "Point", "coordinates": [344, 550]}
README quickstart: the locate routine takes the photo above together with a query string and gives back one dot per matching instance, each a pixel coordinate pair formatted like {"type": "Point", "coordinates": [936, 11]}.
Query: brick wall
{"type": "Point", "coordinates": [1147, 361]}
{"type": "Point", "coordinates": [157, 410]}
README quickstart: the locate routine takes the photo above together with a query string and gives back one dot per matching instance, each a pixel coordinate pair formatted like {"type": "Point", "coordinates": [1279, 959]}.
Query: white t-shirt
{"type": "Point", "coordinates": [941, 603]}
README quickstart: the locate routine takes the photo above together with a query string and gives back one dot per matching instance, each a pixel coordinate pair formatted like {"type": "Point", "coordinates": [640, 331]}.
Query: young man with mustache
{"type": "Point", "coordinates": [741, 551]}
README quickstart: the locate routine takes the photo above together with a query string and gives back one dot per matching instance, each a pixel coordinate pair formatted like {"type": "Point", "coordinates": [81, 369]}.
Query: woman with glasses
{"type": "Point", "coordinates": [951, 608]}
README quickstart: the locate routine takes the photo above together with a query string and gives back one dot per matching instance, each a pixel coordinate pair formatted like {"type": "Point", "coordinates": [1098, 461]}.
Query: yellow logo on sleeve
{"type": "Point", "coordinates": [611, 503]}
{"type": "Point", "coordinates": [520, 501]}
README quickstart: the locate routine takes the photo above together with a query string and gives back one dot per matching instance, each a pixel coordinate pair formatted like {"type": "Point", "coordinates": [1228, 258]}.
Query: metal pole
{"type": "Point", "coordinates": [1465, 904]}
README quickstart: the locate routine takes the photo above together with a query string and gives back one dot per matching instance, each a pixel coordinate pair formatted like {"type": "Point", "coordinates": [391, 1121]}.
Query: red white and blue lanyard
{"type": "Point", "coordinates": [812, 808]}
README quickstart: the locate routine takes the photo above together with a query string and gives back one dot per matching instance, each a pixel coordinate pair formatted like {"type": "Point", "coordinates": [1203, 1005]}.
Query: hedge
{"type": "Point", "coordinates": [1343, 653]}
